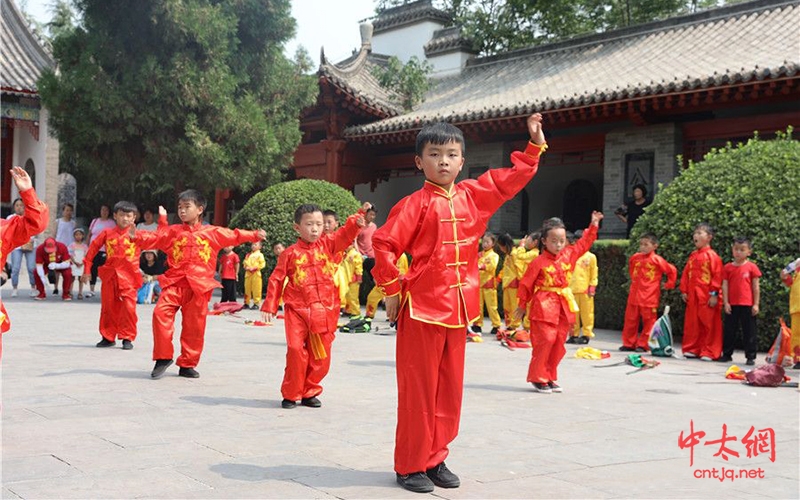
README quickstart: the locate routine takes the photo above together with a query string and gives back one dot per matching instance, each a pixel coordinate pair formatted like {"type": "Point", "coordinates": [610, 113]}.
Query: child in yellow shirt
{"type": "Point", "coordinates": [487, 268]}
{"type": "Point", "coordinates": [510, 279]}
{"type": "Point", "coordinates": [583, 285]}
{"type": "Point", "coordinates": [375, 295]}
{"type": "Point", "coordinates": [353, 265]}
{"type": "Point", "coordinates": [531, 245]}
{"type": "Point", "coordinates": [791, 277]}
{"type": "Point", "coordinates": [253, 264]}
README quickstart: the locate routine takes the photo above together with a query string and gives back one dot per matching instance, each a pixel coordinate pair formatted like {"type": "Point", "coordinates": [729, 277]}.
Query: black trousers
{"type": "Point", "coordinates": [228, 291]}
{"type": "Point", "coordinates": [367, 282]}
{"type": "Point", "coordinates": [740, 316]}
{"type": "Point", "coordinates": [99, 260]}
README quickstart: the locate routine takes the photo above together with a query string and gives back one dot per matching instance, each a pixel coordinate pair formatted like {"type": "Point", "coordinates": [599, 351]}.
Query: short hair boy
{"type": "Point", "coordinates": [311, 302]}
{"type": "Point", "coordinates": [123, 246]}
{"type": "Point", "coordinates": [440, 226]}
{"type": "Point", "coordinates": [192, 248]}
{"type": "Point", "coordinates": [741, 295]}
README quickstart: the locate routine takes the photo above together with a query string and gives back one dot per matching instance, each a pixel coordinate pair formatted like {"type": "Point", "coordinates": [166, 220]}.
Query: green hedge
{"type": "Point", "coordinates": [612, 285]}
{"type": "Point", "coordinates": [747, 189]}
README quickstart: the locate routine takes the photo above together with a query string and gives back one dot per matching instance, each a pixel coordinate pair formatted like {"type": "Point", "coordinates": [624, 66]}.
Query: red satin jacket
{"type": "Point", "coordinates": [546, 282]}
{"type": "Point", "coordinates": [122, 253]}
{"type": "Point", "coordinates": [646, 272]}
{"type": "Point", "coordinates": [17, 231]}
{"type": "Point", "coordinates": [441, 231]}
{"type": "Point", "coordinates": [310, 268]}
{"type": "Point", "coordinates": [702, 274]}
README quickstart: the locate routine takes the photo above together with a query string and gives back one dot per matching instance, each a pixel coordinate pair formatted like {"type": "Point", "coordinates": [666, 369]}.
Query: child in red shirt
{"type": "Point", "coordinates": [17, 231]}
{"type": "Point", "coordinates": [440, 227]}
{"type": "Point", "coordinates": [646, 269]}
{"type": "Point", "coordinates": [120, 274]}
{"type": "Point", "coordinates": [552, 305]}
{"type": "Point", "coordinates": [229, 273]}
{"type": "Point", "coordinates": [191, 249]}
{"type": "Point", "coordinates": [311, 301]}
{"type": "Point", "coordinates": [741, 295]}
{"type": "Point", "coordinates": [701, 282]}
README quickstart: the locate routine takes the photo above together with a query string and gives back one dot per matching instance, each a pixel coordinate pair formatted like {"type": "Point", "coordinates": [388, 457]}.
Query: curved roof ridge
{"type": "Point", "coordinates": [22, 55]}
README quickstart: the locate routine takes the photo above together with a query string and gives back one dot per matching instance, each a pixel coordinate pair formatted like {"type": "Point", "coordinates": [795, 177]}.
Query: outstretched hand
{"type": "Point", "coordinates": [162, 212]}
{"type": "Point", "coordinates": [597, 217]}
{"type": "Point", "coordinates": [262, 235]}
{"type": "Point", "coordinates": [535, 128]}
{"type": "Point", "coordinates": [21, 179]}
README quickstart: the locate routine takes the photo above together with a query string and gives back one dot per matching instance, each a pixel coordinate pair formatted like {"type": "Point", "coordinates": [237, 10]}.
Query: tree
{"type": "Point", "coordinates": [408, 82]}
{"type": "Point", "coordinates": [153, 96]}
{"type": "Point", "coordinates": [740, 190]}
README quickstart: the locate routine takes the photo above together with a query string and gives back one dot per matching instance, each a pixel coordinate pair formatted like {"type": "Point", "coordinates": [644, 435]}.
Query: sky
{"type": "Point", "coordinates": [329, 23]}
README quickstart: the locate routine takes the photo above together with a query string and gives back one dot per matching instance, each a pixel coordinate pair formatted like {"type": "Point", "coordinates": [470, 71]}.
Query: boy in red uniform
{"type": "Point", "coordinates": [53, 256]}
{"type": "Point", "coordinates": [311, 301]}
{"type": "Point", "coordinates": [741, 295]}
{"type": "Point", "coordinates": [191, 249]}
{"type": "Point", "coordinates": [439, 226]}
{"type": "Point", "coordinates": [17, 231]}
{"type": "Point", "coordinates": [701, 282]}
{"type": "Point", "coordinates": [552, 306]}
{"type": "Point", "coordinates": [646, 269]}
{"type": "Point", "coordinates": [120, 274]}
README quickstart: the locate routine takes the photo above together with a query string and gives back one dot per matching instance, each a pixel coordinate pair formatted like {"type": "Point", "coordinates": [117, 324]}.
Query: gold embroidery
{"type": "Point", "coordinates": [110, 246]}
{"type": "Point", "coordinates": [177, 249]}
{"type": "Point", "coordinates": [205, 251]}
{"type": "Point", "coordinates": [130, 250]}
{"type": "Point", "coordinates": [650, 272]}
{"type": "Point", "coordinates": [300, 274]}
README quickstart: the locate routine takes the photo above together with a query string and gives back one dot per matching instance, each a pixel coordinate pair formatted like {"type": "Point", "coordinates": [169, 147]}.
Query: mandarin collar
{"type": "Point", "coordinates": [437, 189]}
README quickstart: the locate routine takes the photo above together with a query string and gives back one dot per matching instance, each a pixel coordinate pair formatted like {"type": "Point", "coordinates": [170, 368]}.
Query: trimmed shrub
{"type": "Point", "coordinates": [612, 283]}
{"type": "Point", "coordinates": [749, 190]}
{"type": "Point", "coordinates": [273, 210]}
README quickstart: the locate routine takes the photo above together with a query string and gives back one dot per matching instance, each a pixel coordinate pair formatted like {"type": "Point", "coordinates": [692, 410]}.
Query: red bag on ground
{"type": "Point", "coordinates": [770, 375]}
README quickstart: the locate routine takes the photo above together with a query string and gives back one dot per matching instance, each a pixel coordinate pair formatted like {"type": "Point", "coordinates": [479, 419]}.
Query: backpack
{"type": "Point", "coordinates": [769, 375]}
{"type": "Point", "coordinates": [357, 325]}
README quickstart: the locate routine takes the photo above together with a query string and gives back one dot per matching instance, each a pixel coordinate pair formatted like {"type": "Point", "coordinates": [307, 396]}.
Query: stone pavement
{"type": "Point", "coordinates": [82, 422]}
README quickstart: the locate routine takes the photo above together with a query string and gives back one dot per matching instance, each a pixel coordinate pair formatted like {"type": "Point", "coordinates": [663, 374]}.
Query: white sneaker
{"type": "Point", "coordinates": [34, 293]}
{"type": "Point", "coordinates": [705, 358]}
{"type": "Point", "coordinates": [14, 292]}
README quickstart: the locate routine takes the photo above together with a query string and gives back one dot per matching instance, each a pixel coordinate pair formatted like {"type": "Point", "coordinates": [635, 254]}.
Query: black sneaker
{"type": "Point", "coordinates": [494, 331]}
{"type": "Point", "coordinates": [288, 404]}
{"type": "Point", "coordinates": [583, 340]}
{"type": "Point", "coordinates": [443, 477]}
{"type": "Point", "coordinates": [543, 388]}
{"type": "Point", "coordinates": [555, 387]}
{"type": "Point", "coordinates": [160, 368]}
{"type": "Point", "coordinates": [55, 291]}
{"type": "Point", "coordinates": [640, 349]}
{"type": "Point", "coordinates": [476, 329]}
{"type": "Point", "coordinates": [104, 342]}
{"type": "Point", "coordinates": [127, 344]}
{"type": "Point", "coordinates": [417, 482]}
{"type": "Point", "coordinates": [626, 349]}
{"type": "Point", "coordinates": [724, 359]}
{"type": "Point", "coordinates": [311, 402]}
{"type": "Point", "coordinates": [750, 362]}
{"type": "Point", "coordinates": [796, 366]}
{"type": "Point", "coordinates": [188, 372]}
{"type": "Point", "coordinates": [571, 340]}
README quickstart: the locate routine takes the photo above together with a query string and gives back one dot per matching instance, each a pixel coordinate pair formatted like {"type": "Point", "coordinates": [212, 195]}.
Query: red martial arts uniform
{"type": "Point", "coordinates": [121, 278]}
{"type": "Point", "coordinates": [187, 285]}
{"type": "Point", "coordinates": [15, 232]}
{"type": "Point", "coordinates": [311, 307]}
{"type": "Point", "coordinates": [644, 296]}
{"type": "Point", "coordinates": [702, 327]}
{"type": "Point", "coordinates": [60, 255]}
{"type": "Point", "coordinates": [438, 300]}
{"type": "Point", "coordinates": [552, 306]}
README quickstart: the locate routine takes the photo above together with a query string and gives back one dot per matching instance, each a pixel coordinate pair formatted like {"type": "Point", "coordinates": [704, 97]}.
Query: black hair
{"type": "Point", "coordinates": [705, 226]}
{"type": "Point", "coordinates": [307, 208]}
{"type": "Point", "coordinates": [439, 133]}
{"type": "Point", "coordinates": [15, 201]}
{"type": "Point", "coordinates": [194, 196]}
{"type": "Point", "coordinates": [743, 240]}
{"type": "Point", "coordinates": [70, 205]}
{"type": "Point", "coordinates": [547, 226]}
{"type": "Point", "coordinates": [642, 187]}
{"type": "Point", "coordinates": [535, 236]}
{"type": "Point", "coordinates": [650, 237]}
{"type": "Point", "coordinates": [125, 206]}
{"type": "Point", "coordinates": [331, 213]}
{"type": "Point", "coordinates": [149, 209]}
{"type": "Point", "coordinates": [372, 209]}
{"type": "Point", "coordinates": [571, 237]}
{"type": "Point", "coordinates": [490, 235]}
{"type": "Point", "coordinates": [505, 241]}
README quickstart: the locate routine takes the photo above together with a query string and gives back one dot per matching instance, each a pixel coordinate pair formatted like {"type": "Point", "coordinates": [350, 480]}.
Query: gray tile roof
{"type": "Point", "coordinates": [355, 76]}
{"type": "Point", "coordinates": [448, 40]}
{"type": "Point", "coordinates": [409, 13]}
{"type": "Point", "coordinates": [22, 56]}
{"type": "Point", "coordinates": [756, 40]}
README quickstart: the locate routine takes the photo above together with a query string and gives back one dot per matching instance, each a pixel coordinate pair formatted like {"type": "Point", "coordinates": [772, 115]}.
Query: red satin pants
{"type": "Point", "coordinates": [117, 309]}
{"type": "Point", "coordinates": [304, 372]}
{"type": "Point", "coordinates": [194, 309]}
{"type": "Point", "coordinates": [702, 328]}
{"type": "Point", "coordinates": [547, 340]}
{"type": "Point", "coordinates": [630, 330]}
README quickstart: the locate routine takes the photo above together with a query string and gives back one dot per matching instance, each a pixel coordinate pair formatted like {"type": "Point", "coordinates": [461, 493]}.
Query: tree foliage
{"type": "Point", "coordinates": [152, 96]}
{"type": "Point", "coordinates": [273, 209]}
{"type": "Point", "coordinates": [748, 190]}
{"type": "Point", "coordinates": [502, 25]}
{"type": "Point", "coordinates": [408, 82]}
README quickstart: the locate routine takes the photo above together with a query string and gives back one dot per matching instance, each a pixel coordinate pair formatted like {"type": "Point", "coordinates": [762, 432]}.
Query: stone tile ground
{"type": "Point", "coordinates": [82, 422]}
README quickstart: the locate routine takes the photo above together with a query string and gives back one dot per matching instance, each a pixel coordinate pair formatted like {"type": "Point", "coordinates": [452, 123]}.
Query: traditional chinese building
{"type": "Point", "coordinates": [619, 106]}
{"type": "Point", "coordinates": [26, 139]}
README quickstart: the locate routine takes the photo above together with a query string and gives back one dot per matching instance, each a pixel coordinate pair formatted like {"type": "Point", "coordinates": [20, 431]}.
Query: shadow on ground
{"type": "Point", "coordinates": [246, 403]}
{"type": "Point", "coordinates": [323, 476]}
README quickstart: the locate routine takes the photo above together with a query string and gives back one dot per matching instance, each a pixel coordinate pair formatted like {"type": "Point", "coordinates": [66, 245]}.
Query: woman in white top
{"type": "Point", "coordinates": [97, 226]}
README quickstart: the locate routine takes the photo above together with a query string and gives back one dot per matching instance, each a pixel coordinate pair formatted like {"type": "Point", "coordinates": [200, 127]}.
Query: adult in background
{"type": "Point", "coordinates": [364, 246]}
{"type": "Point", "coordinates": [98, 225]}
{"type": "Point", "coordinates": [27, 251]}
{"type": "Point", "coordinates": [149, 222]}
{"type": "Point", "coordinates": [630, 212]}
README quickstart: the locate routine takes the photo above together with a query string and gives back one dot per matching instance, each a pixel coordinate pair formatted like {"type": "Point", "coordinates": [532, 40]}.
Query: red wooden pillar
{"type": "Point", "coordinates": [221, 197]}
{"type": "Point", "coordinates": [334, 159]}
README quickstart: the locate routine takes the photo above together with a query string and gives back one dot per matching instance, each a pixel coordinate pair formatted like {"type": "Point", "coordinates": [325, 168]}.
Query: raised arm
{"type": "Point", "coordinates": [587, 240]}
{"type": "Point", "coordinates": [224, 237]}
{"type": "Point", "coordinates": [344, 236]}
{"type": "Point", "coordinates": [19, 230]}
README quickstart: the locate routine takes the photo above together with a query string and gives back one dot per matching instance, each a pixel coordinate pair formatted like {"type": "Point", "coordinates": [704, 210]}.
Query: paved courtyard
{"type": "Point", "coordinates": [82, 422]}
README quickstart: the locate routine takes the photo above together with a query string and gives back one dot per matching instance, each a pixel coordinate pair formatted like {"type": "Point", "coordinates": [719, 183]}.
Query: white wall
{"type": "Point", "coordinates": [448, 64]}
{"type": "Point", "coordinates": [405, 41]}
